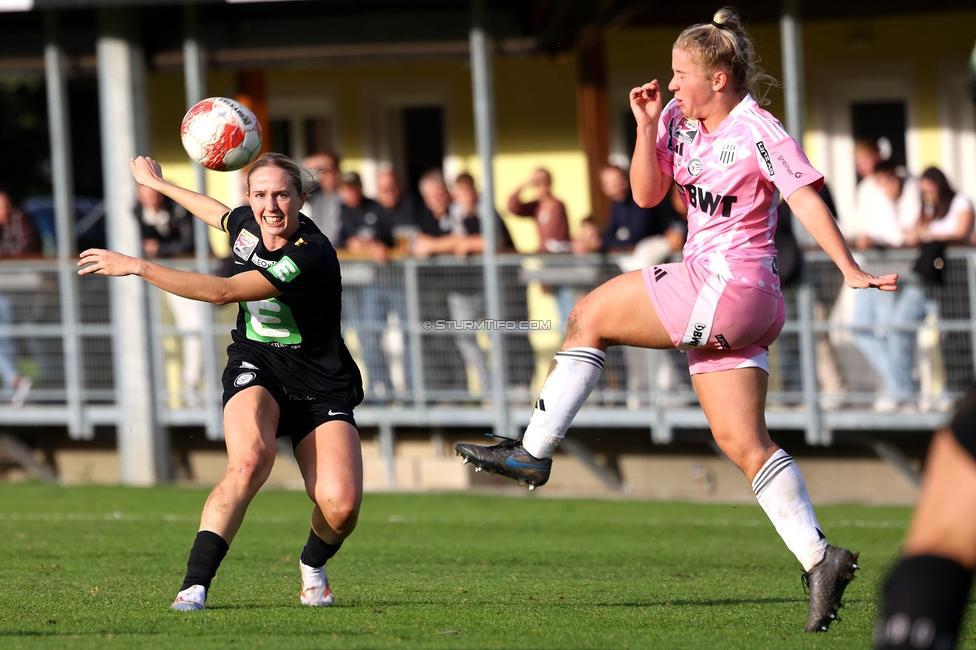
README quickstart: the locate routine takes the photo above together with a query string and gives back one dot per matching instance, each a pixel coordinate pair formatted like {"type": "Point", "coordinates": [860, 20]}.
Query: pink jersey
{"type": "Point", "coordinates": [731, 181]}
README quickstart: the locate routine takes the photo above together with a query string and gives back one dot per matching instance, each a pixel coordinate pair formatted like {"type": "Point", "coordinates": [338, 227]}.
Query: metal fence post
{"type": "Point", "coordinates": [194, 73]}
{"type": "Point", "coordinates": [971, 297]}
{"type": "Point", "coordinates": [62, 179]}
{"type": "Point", "coordinates": [412, 287]}
{"type": "Point", "coordinates": [814, 432]}
{"type": "Point", "coordinates": [484, 119]}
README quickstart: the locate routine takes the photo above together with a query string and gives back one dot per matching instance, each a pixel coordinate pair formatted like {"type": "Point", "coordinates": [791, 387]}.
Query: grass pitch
{"type": "Point", "coordinates": [98, 567]}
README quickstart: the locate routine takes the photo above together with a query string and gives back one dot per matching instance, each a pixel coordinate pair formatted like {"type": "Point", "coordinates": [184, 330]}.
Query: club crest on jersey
{"type": "Point", "coordinates": [245, 244]}
{"type": "Point", "coordinates": [688, 130]}
{"type": "Point", "coordinates": [726, 151]}
{"type": "Point", "coordinates": [695, 166]}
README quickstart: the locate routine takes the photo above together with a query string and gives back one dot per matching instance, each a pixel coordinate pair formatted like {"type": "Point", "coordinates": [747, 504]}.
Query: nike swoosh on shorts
{"type": "Point", "coordinates": [333, 413]}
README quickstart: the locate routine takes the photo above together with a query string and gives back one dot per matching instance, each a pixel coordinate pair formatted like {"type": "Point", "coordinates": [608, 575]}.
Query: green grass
{"type": "Point", "coordinates": [98, 567]}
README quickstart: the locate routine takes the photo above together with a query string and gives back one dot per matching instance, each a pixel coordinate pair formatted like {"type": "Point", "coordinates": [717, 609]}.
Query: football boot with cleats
{"type": "Point", "coordinates": [508, 458]}
{"type": "Point", "coordinates": [826, 583]}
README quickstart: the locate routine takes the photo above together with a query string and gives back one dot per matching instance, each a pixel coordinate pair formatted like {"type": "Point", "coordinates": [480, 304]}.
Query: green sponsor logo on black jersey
{"type": "Point", "coordinates": [270, 321]}
{"type": "Point", "coordinates": [285, 270]}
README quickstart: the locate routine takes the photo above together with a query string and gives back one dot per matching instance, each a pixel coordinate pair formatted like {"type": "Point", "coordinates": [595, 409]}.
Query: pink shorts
{"type": "Point", "coordinates": [721, 324]}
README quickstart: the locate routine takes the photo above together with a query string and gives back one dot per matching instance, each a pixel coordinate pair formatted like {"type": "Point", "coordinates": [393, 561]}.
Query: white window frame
{"type": "Point", "coordinates": [295, 110]}
{"type": "Point", "coordinates": [383, 136]}
{"type": "Point", "coordinates": [957, 127]}
{"type": "Point", "coordinates": [831, 139]}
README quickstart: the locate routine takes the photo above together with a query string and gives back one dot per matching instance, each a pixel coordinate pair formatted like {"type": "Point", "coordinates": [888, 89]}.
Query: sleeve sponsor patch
{"type": "Point", "coordinates": [761, 146]}
{"type": "Point", "coordinates": [285, 269]}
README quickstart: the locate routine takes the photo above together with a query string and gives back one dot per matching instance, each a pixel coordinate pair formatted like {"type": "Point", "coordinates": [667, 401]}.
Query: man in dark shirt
{"type": "Point", "coordinates": [400, 207]}
{"type": "Point", "coordinates": [450, 225]}
{"type": "Point", "coordinates": [368, 228]}
{"type": "Point", "coordinates": [629, 223]}
{"type": "Point", "coordinates": [323, 203]}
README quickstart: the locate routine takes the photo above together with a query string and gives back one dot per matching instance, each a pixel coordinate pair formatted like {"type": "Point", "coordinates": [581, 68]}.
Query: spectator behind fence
{"type": "Point", "coordinates": [553, 225]}
{"type": "Point", "coordinates": [548, 211]}
{"type": "Point", "coordinates": [657, 232]}
{"type": "Point", "coordinates": [166, 229]}
{"type": "Point", "coordinates": [946, 219]}
{"type": "Point", "coordinates": [458, 232]}
{"type": "Point", "coordinates": [400, 208]}
{"type": "Point", "coordinates": [18, 237]}
{"type": "Point", "coordinates": [880, 317]}
{"type": "Point", "coordinates": [323, 205]}
{"type": "Point", "coordinates": [443, 369]}
{"type": "Point", "coordinates": [368, 228]}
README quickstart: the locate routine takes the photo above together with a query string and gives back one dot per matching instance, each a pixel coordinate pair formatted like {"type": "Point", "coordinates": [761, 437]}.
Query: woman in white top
{"type": "Point", "coordinates": [946, 216]}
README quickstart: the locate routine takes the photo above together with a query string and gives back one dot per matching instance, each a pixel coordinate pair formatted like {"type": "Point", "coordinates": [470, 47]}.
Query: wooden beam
{"type": "Point", "coordinates": [253, 93]}
{"type": "Point", "coordinates": [594, 121]}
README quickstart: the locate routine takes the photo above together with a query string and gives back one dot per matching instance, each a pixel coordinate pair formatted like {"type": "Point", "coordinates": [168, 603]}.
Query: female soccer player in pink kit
{"type": "Point", "coordinates": [722, 304]}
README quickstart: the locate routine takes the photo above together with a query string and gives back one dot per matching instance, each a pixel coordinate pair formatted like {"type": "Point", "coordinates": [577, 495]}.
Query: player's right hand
{"type": "Point", "coordinates": [647, 103]}
{"type": "Point", "coordinates": [858, 279]}
{"type": "Point", "coordinates": [146, 171]}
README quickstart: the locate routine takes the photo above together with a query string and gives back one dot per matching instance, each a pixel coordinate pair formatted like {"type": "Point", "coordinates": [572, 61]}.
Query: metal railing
{"type": "Point", "coordinates": [417, 330]}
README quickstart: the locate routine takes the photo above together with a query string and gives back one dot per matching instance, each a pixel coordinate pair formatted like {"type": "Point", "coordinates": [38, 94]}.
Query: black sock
{"type": "Point", "coordinates": [316, 552]}
{"type": "Point", "coordinates": [206, 555]}
{"type": "Point", "coordinates": [924, 601]}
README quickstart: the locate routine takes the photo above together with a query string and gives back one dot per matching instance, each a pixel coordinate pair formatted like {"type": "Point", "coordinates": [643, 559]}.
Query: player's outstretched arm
{"type": "Point", "coordinates": [147, 172]}
{"type": "Point", "coordinates": [242, 287]}
{"type": "Point", "coordinates": [810, 209]}
{"type": "Point", "coordinates": [648, 183]}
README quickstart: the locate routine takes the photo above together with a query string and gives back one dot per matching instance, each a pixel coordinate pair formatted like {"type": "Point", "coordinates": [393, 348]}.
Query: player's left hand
{"type": "Point", "coordinates": [103, 262]}
{"type": "Point", "coordinates": [858, 279]}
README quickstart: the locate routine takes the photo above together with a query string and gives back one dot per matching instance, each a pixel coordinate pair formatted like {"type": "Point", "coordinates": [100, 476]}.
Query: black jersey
{"type": "Point", "coordinates": [296, 336]}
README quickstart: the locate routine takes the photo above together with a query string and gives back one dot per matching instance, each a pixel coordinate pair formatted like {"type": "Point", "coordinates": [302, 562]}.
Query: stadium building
{"type": "Point", "coordinates": [451, 84]}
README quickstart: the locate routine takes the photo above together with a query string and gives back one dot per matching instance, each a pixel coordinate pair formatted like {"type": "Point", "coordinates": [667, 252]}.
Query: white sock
{"type": "Point", "coordinates": [574, 374]}
{"type": "Point", "coordinates": [783, 495]}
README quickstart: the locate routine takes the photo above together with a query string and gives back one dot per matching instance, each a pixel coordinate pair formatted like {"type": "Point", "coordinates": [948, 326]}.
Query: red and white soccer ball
{"type": "Point", "coordinates": [221, 134]}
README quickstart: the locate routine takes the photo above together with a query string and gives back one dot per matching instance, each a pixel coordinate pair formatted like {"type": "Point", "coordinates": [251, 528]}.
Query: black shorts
{"type": "Point", "coordinates": [300, 414]}
{"type": "Point", "coordinates": [964, 424]}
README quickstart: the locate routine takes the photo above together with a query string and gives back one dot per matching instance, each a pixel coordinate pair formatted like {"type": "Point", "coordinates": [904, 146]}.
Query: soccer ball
{"type": "Point", "coordinates": [221, 134]}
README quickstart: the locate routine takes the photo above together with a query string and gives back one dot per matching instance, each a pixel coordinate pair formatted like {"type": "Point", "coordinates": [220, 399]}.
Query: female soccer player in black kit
{"type": "Point", "coordinates": [288, 370]}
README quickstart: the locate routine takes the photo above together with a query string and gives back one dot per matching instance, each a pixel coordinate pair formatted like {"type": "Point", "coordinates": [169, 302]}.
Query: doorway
{"type": "Point", "coordinates": [423, 142]}
{"type": "Point", "coordinates": [884, 123]}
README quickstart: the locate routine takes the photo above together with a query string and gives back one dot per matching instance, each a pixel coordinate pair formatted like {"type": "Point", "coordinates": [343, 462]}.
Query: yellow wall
{"type": "Point", "coordinates": [922, 42]}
